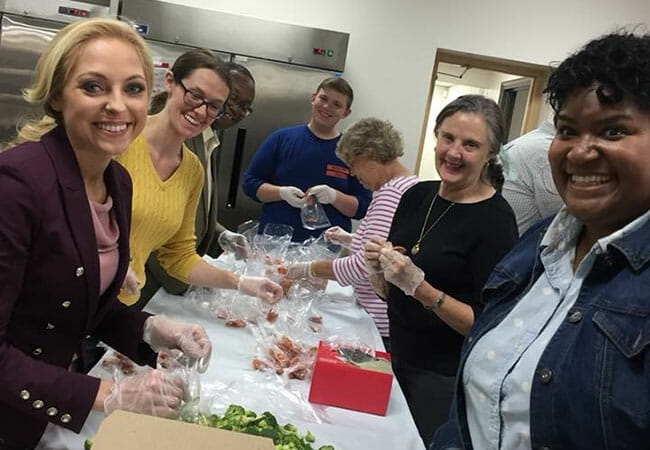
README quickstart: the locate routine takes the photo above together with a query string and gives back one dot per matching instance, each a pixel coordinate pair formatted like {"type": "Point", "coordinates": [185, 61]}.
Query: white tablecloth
{"type": "Point", "coordinates": [233, 350]}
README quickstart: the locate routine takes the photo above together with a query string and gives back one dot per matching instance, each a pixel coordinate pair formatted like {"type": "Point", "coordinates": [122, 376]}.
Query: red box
{"type": "Point", "coordinates": [337, 383]}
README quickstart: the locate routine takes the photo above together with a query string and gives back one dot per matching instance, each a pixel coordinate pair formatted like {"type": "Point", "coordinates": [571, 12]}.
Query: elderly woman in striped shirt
{"type": "Point", "coordinates": [371, 148]}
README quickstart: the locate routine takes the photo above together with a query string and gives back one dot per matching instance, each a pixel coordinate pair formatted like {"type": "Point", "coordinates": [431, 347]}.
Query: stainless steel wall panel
{"type": "Point", "coordinates": [282, 99]}
{"type": "Point", "coordinates": [23, 40]}
{"type": "Point", "coordinates": [49, 9]}
{"type": "Point", "coordinates": [242, 35]}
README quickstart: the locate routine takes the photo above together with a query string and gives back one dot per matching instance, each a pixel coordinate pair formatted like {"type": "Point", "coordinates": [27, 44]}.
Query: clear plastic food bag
{"type": "Point", "coordinates": [263, 391]}
{"type": "Point", "coordinates": [312, 214]}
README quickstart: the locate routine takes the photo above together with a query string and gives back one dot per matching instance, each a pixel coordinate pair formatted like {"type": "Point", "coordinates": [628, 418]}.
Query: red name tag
{"type": "Point", "coordinates": [337, 171]}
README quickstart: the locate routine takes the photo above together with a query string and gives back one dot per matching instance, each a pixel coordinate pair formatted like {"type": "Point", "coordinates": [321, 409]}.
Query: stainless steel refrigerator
{"type": "Point", "coordinates": [287, 61]}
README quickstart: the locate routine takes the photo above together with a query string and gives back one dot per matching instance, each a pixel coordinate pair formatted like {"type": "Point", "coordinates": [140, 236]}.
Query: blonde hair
{"type": "Point", "coordinates": [56, 62]}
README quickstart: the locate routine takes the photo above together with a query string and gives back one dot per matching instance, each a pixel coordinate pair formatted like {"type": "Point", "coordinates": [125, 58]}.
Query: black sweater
{"type": "Point", "coordinates": [457, 256]}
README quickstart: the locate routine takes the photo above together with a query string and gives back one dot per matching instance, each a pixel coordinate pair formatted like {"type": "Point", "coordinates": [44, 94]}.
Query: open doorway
{"type": "Point", "coordinates": [515, 86]}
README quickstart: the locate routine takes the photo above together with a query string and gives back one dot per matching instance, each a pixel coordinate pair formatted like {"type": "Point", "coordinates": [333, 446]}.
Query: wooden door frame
{"type": "Point", "coordinates": [538, 73]}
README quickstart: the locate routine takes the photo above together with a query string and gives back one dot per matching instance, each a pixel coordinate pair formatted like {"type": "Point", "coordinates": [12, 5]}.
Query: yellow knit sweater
{"type": "Point", "coordinates": [163, 213]}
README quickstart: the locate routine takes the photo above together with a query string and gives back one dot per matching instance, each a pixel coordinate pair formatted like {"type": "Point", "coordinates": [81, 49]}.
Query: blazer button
{"type": "Point", "coordinates": [66, 418]}
{"type": "Point", "coordinates": [49, 326]}
{"type": "Point", "coordinates": [66, 303]}
{"type": "Point", "coordinates": [38, 404]}
{"type": "Point", "coordinates": [24, 394]}
{"type": "Point", "coordinates": [52, 411]}
{"type": "Point", "coordinates": [545, 375]}
{"type": "Point", "coordinates": [37, 351]}
{"type": "Point", "coordinates": [575, 316]}
{"type": "Point", "coordinates": [79, 271]}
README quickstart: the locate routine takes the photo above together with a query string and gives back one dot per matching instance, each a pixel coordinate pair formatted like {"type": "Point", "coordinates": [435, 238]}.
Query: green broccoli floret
{"type": "Point", "coordinates": [270, 419]}
{"type": "Point", "coordinates": [234, 411]}
{"type": "Point", "coordinates": [237, 418]}
{"type": "Point", "coordinates": [290, 428]}
{"type": "Point", "coordinates": [88, 444]}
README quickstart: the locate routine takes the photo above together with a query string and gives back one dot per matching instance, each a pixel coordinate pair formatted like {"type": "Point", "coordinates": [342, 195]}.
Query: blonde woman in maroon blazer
{"type": "Point", "coordinates": [64, 232]}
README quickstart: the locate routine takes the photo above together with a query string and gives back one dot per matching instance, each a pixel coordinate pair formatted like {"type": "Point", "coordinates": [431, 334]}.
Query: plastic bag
{"type": "Point", "coordinates": [177, 363]}
{"type": "Point", "coordinates": [274, 240]}
{"type": "Point", "coordinates": [263, 392]}
{"type": "Point", "coordinates": [236, 310]}
{"type": "Point", "coordinates": [248, 229]}
{"type": "Point", "coordinates": [282, 354]}
{"type": "Point", "coordinates": [234, 243]}
{"type": "Point", "coordinates": [312, 214]}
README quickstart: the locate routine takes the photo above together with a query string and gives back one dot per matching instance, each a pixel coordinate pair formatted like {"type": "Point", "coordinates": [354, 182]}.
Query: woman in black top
{"type": "Point", "coordinates": [445, 239]}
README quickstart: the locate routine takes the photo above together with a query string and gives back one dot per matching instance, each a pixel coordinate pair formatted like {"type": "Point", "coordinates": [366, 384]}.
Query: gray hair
{"type": "Point", "coordinates": [371, 138]}
{"type": "Point", "coordinates": [496, 130]}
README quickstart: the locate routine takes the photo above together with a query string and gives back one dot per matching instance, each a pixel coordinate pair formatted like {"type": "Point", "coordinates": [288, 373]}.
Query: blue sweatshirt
{"type": "Point", "coordinates": [295, 156]}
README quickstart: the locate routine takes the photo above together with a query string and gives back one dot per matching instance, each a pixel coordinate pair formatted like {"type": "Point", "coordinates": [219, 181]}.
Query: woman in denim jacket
{"type": "Point", "coordinates": [560, 357]}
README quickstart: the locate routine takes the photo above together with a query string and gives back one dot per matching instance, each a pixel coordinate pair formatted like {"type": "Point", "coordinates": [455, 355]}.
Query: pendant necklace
{"type": "Point", "coordinates": [423, 233]}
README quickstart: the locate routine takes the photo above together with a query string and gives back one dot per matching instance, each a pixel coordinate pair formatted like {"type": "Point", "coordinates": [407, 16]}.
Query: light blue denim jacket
{"type": "Point", "coordinates": [592, 384]}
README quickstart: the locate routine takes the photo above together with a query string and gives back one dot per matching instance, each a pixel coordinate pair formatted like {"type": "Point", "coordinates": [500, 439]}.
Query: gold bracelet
{"type": "Point", "coordinates": [438, 303]}
{"type": "Point", "coordinates": [312, 270]}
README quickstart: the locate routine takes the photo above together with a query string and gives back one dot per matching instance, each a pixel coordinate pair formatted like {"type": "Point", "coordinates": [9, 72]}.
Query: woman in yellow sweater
{"type": "Point", "coordinates": [168, 179]}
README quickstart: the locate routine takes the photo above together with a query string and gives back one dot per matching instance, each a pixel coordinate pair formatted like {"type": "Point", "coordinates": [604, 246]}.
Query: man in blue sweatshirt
{"type": "Point", "coordinates": [297, 162]}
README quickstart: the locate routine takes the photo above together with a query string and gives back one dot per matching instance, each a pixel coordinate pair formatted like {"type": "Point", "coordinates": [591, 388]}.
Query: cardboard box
{"type": "Point", "coordinates": [339, 383]}
{"type": "Point", "coordinates": [128, 431]}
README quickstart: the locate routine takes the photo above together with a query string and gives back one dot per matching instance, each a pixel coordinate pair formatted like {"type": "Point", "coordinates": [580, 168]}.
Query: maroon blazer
{"type": "Point", "coordinates": [49, 288]}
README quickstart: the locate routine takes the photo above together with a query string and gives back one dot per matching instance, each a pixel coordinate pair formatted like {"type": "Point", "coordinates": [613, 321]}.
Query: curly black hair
{"type": "Point", "coordinates": [618, 64]}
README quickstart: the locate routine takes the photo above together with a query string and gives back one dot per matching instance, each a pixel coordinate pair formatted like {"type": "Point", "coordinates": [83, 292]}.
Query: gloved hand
{"type": "Point", "coordinates": [323, 193]}
{"type": "Point", "coordinates": [400, 270]}
{"type": "Point", "coordinates": [131, 284]}
{"type": "Point", "coordinates": [235, 243]}
{"type": "Point", "coordinates": [162, 333]}
{"type": "Point", "coordinates": [153, 392]}
{"type": "Point", "coordinates": [371, 253]}
{"type": "Point", "coordinates": [261, 287]}
{"type": "Point", "coordinates": [299, 271]}
{"type": "Point", "coordinates": [337, 235]}
{"type": "Point", "coordinates": [293, 196]}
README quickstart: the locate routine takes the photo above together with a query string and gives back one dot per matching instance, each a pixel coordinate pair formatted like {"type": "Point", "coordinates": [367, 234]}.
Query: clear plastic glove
{"type": "Point", "coordinates": [293, 196]}
{"type": "Point", "coordinates": [131, 284]}
{"type": "Point", "coordinates": [235, 243]}
{"type": "Point", "coordinates": [162, 333]}
{"type": "Point", "coordinates": [400, 270]}
{"type": "Point", "coordinates": [323, 193]}
{"type": "Point", "coordinates": [337, 235]}
{"type": "Point", "coordinates": [261, 287]}
{"type": "Point", "coordinates": [153, 392]}
{"type": "Point", "coordinates": [372, 252]}
{"type": "Point", "coordinates": [299, 271]}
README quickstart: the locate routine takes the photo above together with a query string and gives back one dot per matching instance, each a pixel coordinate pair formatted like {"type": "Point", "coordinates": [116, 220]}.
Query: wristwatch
{"type": "Point", "coordinates": [437, 304]}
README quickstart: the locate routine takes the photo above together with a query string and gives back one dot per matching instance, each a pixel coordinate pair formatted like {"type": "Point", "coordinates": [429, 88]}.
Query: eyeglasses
{"type": "Point", "coordinates": [235, 107]}
{"type": "Point", "coordinates": [193, 100]}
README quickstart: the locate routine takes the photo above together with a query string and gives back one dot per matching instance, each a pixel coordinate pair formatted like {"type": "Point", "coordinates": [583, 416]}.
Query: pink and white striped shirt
{"type": "Point", "coordinates": [351, 269]}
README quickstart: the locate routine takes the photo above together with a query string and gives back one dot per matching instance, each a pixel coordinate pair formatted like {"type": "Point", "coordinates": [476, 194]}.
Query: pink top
{"type": "Point", "coordinates": [351, 269]}
{"type": "Point", "coordinates": [106, 234]}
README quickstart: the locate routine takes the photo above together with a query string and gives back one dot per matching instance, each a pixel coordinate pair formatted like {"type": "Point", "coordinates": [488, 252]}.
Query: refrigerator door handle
{"type": "Point", "coordinates": [236, 168]}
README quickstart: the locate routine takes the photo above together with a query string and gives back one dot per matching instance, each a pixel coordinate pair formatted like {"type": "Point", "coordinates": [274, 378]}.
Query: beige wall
{"type": "Point", "coordinates": [393, 42]}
